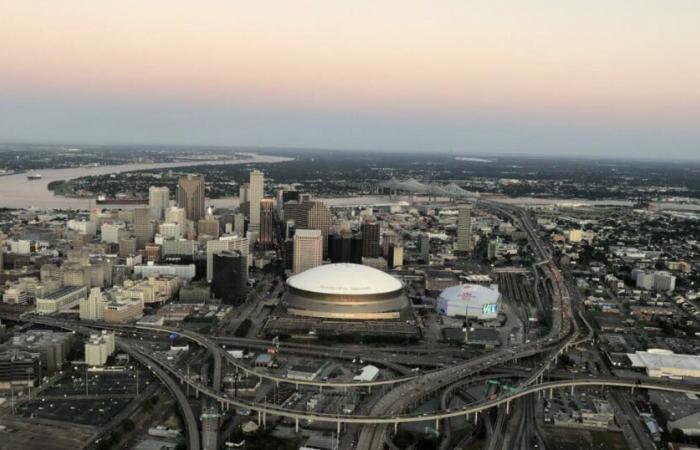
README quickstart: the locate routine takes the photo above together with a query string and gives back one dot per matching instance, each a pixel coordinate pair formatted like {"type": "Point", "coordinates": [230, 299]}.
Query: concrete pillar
{"type": "Point", "coordinates": [396, 427]}
{"type": "Point", "coordinates": [572, 389]}
{"type": "Point", "coordinates": [476, 417]}
{"type": "Point", "coordinates": [259, 419]}
{"type": "Point", "coordinates": [338, 429]}
{"type": "Point", "coordinates": [551, 392]}
{"type": "Point", "coordinates": [437, 425]}
{"type": "Point", "coordinates": [507, 406]}
{"type": "Point", "coordinates": [296, 424]}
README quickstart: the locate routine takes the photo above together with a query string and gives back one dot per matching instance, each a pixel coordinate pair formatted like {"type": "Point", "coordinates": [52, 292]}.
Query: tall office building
{"type": "Point", "coordinates": [425, 247]}
{"type": "Point", "coordinates": [308, 250]}
{"type": "Point", "coordinates": [143, 227]}
{"type": "Point", "coordinates": [226, 243]}
{"type": "Point", "coordinates": [230, 277]}
{"type": "Point", "coordinates": [313, 215]}
{"type": "Point", "coordinates": [190, 196]}
{"type": "Point", "coordinates": [395, 256]}
{"type": "Point", "coordinates": [244, 193]}
{"type": "Point", "coordinates": [255, 194]}
{"type": "Point", "coordinates": [209, 226]}
{"type": "Point", "coordinates": [464, 229]}
{"type": "Point", "coordinates": [345, 248]}
{"type": "Point", "coordinates": [370, 240]}
{"type": "Point", "coordinates": [267, 221]}
{"type": "Point", "coordinates": [178, 216]}
{"type": "Point", "coordinates": [239, 224]}
{"type": "Point", "coordinates": [158, 199]}
{"type": "Point", "coordinates": [92, 307]}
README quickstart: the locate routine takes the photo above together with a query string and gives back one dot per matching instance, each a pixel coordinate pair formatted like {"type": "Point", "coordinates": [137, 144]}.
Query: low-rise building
{"type": "Point", "coordinates": [59, 300]}
{"type": "Point", "coordinates": [664, 363]}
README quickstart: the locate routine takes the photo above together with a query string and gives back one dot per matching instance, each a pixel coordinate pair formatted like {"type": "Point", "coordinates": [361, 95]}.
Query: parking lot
{"type": "Point", "coordinates": [83, 412]}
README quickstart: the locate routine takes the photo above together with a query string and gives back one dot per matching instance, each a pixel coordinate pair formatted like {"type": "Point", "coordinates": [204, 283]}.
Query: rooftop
{"type": "Point", "coordinates": [345, 278]}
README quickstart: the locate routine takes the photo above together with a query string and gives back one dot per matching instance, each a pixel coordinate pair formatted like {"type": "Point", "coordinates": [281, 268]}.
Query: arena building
{"type": "Point", "coordinates": [345, 292]}
{"type": "Point", "coordinates": [471, 301]}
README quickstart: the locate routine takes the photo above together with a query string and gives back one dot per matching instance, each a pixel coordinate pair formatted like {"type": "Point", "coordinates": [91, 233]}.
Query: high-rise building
{"type": "Point", "coordinates": [226, 243]}
{"type": "Point", "coordinates": [209, 226]}
{"type": "Point", "coordinates": [425, 247]}
{"type": "Point", "coordinates": [664, 281]}
{"type": "Point", "coordinates": [308, 250]}
{"type": "Point", "coordinates": [244, 193]}
{"type": "Point", "coordinates": [464, 229]}
{"type": "Point", "coordinates": [158, 199]}
{"type": "Point", "coordinates": [313, 215]}
{"type": "Point", "coordinates": [178, 216]}
{"type": "Point", "coordinates": [143, 227]}
{"type": "Point", "coordinates": [255, 193]}
{"type": "Point", "coordinates": [493, 248]}
{"type": "Point", "coordinates": [267, 226]}
{"type": "Point", "coordinates": [127, 247]}
{"type": "Point", "coordinates": [370, 240]}
{"type": "Point", "coordinates": [92, 308]}
{"type": "Point", "coordinates": [98, 348]}
{"type": "Point", "coordinates": [169, 230]}
{"type": "Point", "coordinates": [389, 238]}
{"type": "Point", "coordinates": [211, 422]}
{"type": "Point", "coordinates": [112, 232]}
{"type": "Point", "coordinates": [395, 256]}
{"type": "Point", "coordinates": [230, 279]}
{"type": "Point", "coordinates": [345, 248]}
{"type": "Point", "coordinates": [190, 196]}
{"type": "Point", "coordinates": [239, 224]}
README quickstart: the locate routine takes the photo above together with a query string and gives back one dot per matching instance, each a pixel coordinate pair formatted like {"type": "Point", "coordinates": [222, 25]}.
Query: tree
{"type": "Point", "coordinates": [128, 425]}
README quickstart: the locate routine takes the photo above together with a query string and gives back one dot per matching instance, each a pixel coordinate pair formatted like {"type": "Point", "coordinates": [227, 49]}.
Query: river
{"type": "Point", "coordinates": [16, 191]}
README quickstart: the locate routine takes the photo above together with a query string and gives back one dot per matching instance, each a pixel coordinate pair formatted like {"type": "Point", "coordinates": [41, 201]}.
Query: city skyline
{"type": "Point", "coordinates": [586, 79]}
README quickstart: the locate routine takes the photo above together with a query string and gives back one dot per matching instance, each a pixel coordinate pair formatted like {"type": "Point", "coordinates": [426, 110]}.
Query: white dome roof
{"type": "Point", "coordinates": [345, 279]}
{"type": "Point", "coordinates": [470, 293]}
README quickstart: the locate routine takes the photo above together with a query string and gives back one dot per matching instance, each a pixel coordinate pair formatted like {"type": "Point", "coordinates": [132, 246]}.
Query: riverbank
{"type": "Point", "coordinates": [16, 191]}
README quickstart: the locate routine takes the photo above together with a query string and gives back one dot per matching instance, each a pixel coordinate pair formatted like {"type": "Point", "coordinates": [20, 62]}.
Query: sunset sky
{"type": "Point", "coordinates": [596, 77]}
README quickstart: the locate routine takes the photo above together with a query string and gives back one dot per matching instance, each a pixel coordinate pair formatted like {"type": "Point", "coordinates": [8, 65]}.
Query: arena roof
{"type": "Point", "coordinates": [345, 279]}
{"type": "Point", "coordinates": [470, 293]}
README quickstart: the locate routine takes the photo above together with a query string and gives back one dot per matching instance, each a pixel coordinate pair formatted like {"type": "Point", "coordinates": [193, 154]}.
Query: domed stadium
{"type": "Point", "coordinates": [345, 292]}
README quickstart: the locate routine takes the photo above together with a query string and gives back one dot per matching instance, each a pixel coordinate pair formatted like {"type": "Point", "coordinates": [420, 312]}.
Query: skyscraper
{"type": "Point", "coordinates": [308, 250]}
{"type": "Point", "coordinates": [255, 194]}
{"type": "Point", "coordinates": [464, 229]}
{"type": "Point", "coordinates": [158, 199]}
{"type": "Point", "coordinates": [370, 240]}
{"type": "Point", "coordinates": [229, 282]}
{"type": "Point", "coordinates": [190, 196]}
{"type": "Point", "coordinates": [178, 216]}
{"type": "Point", "coordinates": [266, 221]}
{"type": "Point", "coordinates": [143, 227]}
{"type": "Point", "coordinates": [226, 243]}
{"type": "Point", "coordinates": [345, 248]}
{"type": "Point", "coordinates": [313, 215]}
{"type": "Point", "coordinates": [208, 226]}
{"type": "Point", "coordinates": [425, 247]}
{"type": "Point", "coordinates": [92, 307]}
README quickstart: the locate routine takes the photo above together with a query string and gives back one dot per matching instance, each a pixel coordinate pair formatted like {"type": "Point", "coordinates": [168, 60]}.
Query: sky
{"type": "Point", "coordinates": [579, 77]}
